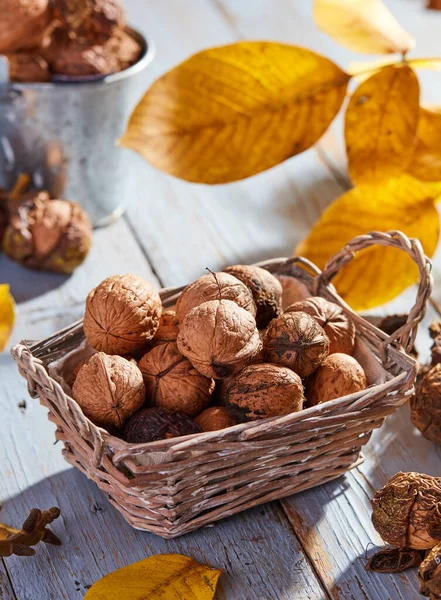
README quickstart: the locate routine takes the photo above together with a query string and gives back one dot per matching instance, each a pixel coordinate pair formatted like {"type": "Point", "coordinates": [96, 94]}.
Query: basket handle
{"type": "Point", "coordinates": [405, 335]}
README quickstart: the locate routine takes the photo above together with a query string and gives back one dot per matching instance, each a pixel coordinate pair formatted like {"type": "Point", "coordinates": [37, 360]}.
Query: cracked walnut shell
{"type": "Point", "coordinates": [262, 391]}
{"type": "Point", "coordinates": [172, 382]}
{"type": "Point", "coordinates": [214, 286]}
{"type": "Point", "coordinates": [122, 314]}
{"type": "Point", "coordinates": [337, 376]}
{"type": "Point", "coordinates": [339, 329]}
{"type": "Point", "coordinates": [109, 389]}
{"type": "Point", "coordinates": [295, 340]}
{"type": "Point", "coordinates": [214, 419]}
{"type": "Point", "coordinates": [219, 338]}
{"type": "Point", "coordinates": [266, 290]}
{"type": "Point", "coordinates": [429, 574]}
{"type": "Point", "coordinates": [406, 511]}
{"type": "Point", "coordinates": [425, 404]}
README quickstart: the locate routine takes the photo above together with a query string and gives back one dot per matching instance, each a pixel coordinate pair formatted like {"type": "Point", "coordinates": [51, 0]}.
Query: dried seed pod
{"type": "Point", "coordinates": [95, 20]}
{"type": "Point", "coordinates": [405, 511]}
{"type": "Point", "coordinates": [157, 423]}
{"type": "Point", "coordinates": [339, 329]}
{"type": "Point", "coordinates": [172, 382]}
{"type": "Point", "coordinates": [337, 376]}
{"type": "Point", "coordinates": [219, 338]}
{"type": "Point", "coordinates": [214, 419]}
{"type": "Point", "coordinates": [394, 560]}
{"type": "Point", "coordinates": [429, 574]}
{"type": "Point", "coordinates": [262, 391]}
{"type": "Point", "coordinates": [54, 235]}
{"type": "Point", "coordinates": [109, 389]}
{"type": "Point", "coordinates": [23, 23]}
{"type": "Point", "coordinates": [295, 340]}
{"type": "Point", "coordinates": [214, 286]}
{"type": "Point", "coordinates": [425, 404]}
{"type": "Point", "coordinates": [122, 314]}
{"type": "Point", "coordinates": [28, 67]}
{"type": "Point", "coordinates": [266, 290]}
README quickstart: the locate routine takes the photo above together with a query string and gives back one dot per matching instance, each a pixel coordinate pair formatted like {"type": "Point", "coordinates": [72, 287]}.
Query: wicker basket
{"type": "Point", "coordinates": [173, 486]}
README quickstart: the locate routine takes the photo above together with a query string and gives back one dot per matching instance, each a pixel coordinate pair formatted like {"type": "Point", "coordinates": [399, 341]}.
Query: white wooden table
{"type": "Point", "coordinates": [309, 546]}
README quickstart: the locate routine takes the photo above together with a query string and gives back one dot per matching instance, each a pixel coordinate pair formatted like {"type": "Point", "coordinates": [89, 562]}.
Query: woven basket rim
{"type": "Point", "coordinates": [396, 355]}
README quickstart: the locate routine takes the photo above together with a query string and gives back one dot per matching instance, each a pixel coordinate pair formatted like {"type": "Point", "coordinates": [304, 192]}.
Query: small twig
{"type": "Point", "coordinates": [21, 185]}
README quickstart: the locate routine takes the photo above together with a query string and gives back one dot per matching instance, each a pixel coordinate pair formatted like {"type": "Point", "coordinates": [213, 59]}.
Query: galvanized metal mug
{"type": "Point", "coordinates": [63, 134]}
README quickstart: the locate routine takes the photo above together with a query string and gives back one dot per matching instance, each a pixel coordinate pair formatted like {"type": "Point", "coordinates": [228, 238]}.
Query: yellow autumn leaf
{"type": "Point", "coordinates": [7, 315]}
{"type": "Point", "coordinates": [230, 112]}
{"type": "Point", "coordinates": [362, 70]}
{"type": "Point", "coordinates": [378, 274]}
{"type": "Point", "coordinates": [381, 123]}
{"type": "Point", "coordinates": [426, 159]}
{"type": "Point", "coordinates": [362, 25]}
{"type": "Point", "coordinates": [166, 576]}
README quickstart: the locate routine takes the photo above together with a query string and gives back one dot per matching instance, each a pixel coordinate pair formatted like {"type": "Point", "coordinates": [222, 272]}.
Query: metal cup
{"type": "Point", "coordinates": [63, 135]}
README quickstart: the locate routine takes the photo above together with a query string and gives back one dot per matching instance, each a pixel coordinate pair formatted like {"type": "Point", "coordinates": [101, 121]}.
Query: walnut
{"type": "Point", "coordinates": [261, 391]}
{"type": "Point", "coordinates": [172, 382]}
{"type": "Point", "coordinates": [293, 290]}
{"type": "Point", "coordinates": [425, 404]}
{"type": "Point", "coordinates": [429, 573]}
{"type": "Point", "coordinates": [337, 376]}
{"type": "Point", "coordinates": [219, 338]}
{"type": "Point", "coordinates": [157, 423]}
{"type": "Point", "coordinates": [109, 389]}
{"type": "Point", "coordinates": [96, 20]}
{"type": "Point", "coordinates": [339, 329]}
{"type": "Point", "coordinates": [214, 419]}
{"type": "Point", "coordinates": [405, 511]}
{"type": "Point", "coordinates": [76, 370]}
{"type": "Point", "coordinates": [54, 235]}
{"type": "Point", "coordinates": [122, 314]}
{"type": "Point", "coordinates": [266, 290]}
{"type": "Point", "coordinates": [28, 66]}
{"type": "Point", "coordinates": [168, 329]}
{"type": "Point", "coordinates": [295, 340]}
{"type": "Point", "coordinates": [214, 286]}
{"type": "Point", "coordinates": [23, 23]}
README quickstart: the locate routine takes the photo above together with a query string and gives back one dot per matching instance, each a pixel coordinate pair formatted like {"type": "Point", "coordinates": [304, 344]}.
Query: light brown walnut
{"type": "Point", "coordinates": [168, 329]}
{"type": "Point", "coordinates": [266, 290]}
{"type": "Point", "coordinates": [92, 19]}
{"type": "Point", "coordinates": [293, 290]}
{"type": "Point", "coordinates": [425, 404]}
{"type": "Point", "coordinates": [109, 389]}
{"type": "Point", "coordinates": [337, 376]}
{"type": "Point", "coordinates": [27, 66]}
{"type": "Point", "coordinates": [295, 340]}
{"type": "Point", "coordinates": [172, 382]}
{"type": "Point", "coordinates": [339, 329]}
{"type": "Point", "coordinates": [219, 338]}
{"type": "Point", "coordinates": [214, 419]}
{"type": "Point", "coordinates": [214, 286]}
{"type": "Point", "coordinates": [262, 391]}
{"type": "Point", "coordinates": [23, 23]}
{"type": "Point", "coordinates": [122, 314]}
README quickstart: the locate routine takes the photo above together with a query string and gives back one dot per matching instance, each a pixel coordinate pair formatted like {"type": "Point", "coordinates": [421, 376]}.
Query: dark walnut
{"type": "Point", "coordinates": [122, 314]}
{"type": "Point", "coordinates": [429, 574]}
{"type": "Point", "coordinates": [219, 338]}
{"type": "Point", "coordinates": [109, 389]}
{"type": "Point", "coordinates": [425, 404]}
{"type": "Point", "coordinates": [172, 382]}
{"type": "Point", "coordinates": [214, 286]}
{"type": "Point", "coordinates": [95, 20]}
{"type": "Point", "coordinates": [266, 290]}
{"type": "Point", "coordinates": [23, 23]}
{"type": "Point", "coordinates": [295, 340]}
{"type": "Point", "coordinates": [339, 329]}
{"type": "Point", "coordinates": [157, 423]}
{"type": "Point", "coordinates": [28, 67]}
{"type": "Point", "coordinates": [80, 58]}
{"type": "Point", "coordinates": [214, 419]}
{"type": "Point", "coordinates": [53, 235]}
{"type": "Point", "coordinates": [337, 376]}
{"type": "Point", "coordinates": [405, 511]}
{"type": "Point", "coordinates": [262, 391]}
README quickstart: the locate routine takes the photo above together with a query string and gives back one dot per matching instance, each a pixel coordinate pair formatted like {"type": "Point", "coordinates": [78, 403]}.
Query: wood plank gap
{"type": "Point", "coordinates": [144, 252]}
{"type": "Point", "coordinates": [9, 581]}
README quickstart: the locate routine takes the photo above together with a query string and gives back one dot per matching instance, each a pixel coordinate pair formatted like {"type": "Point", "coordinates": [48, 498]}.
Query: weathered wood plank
{"type": "Point", "coordinates": [6, 591]}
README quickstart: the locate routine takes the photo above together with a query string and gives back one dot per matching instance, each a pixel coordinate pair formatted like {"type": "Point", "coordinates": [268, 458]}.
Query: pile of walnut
{"type": "Point", "coordinates": [46, 38]}
{"type": "Point", "coordinates": [227, 354]}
